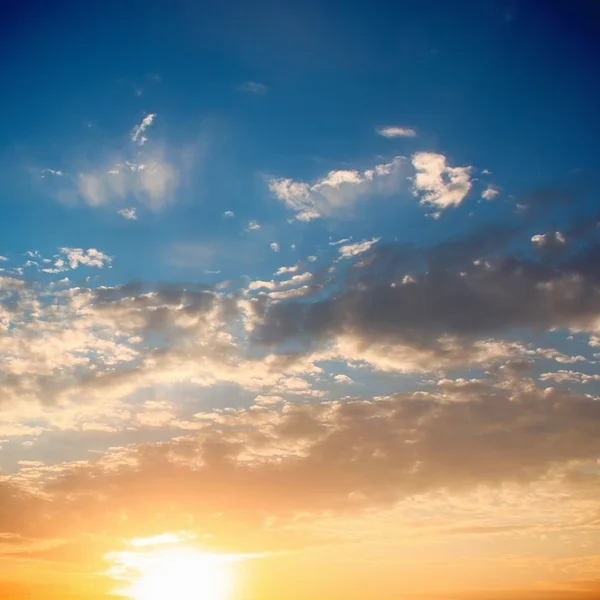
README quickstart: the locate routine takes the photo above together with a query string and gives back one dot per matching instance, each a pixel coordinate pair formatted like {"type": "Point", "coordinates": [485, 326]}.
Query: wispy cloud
{"type": "Point", "coordinates": [393, 131]}
{"type": "Point", "coordinates": [253, 226]}
{"type": "Point", "coordinates": [152, 182]}
{"type": "Point", "coordinates": [128, 213]}
{"type": "Point", "coordinates": [137, 135]}
{"type": "Point", "coordinates": [229, 214]}
{"type": "Point", "coordinates": [351, 250]}
{"type": "Point", "coordinates": [253, 87]}
{"type": "Point", "coordinates": [275, 247]}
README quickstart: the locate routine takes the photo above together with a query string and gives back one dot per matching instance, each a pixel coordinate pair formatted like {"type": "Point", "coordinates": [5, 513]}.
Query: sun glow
{"type": "Point", "coordinates": [163, 570]}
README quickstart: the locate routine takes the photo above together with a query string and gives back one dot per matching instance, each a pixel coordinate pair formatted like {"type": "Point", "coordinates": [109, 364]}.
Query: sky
{"type": "Point", "coordinates": [300, 299]}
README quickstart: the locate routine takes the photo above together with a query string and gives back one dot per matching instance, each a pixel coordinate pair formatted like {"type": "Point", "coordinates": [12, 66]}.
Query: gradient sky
{"type": "Point", "coordinates": [309, 287]}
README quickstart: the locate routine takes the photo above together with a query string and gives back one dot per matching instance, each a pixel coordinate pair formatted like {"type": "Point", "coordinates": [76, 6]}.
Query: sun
{"type": "Point", "coordinates": [175, 572]}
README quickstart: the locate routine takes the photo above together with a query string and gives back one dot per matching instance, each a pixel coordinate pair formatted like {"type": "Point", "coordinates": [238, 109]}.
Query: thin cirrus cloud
{"type": "Point", "coordinates": [338, 191]}
{"type": "Point", "coordinates": [253, 87]}
{"type": "Point", "coordinates": [137, 135]}
{"type": "Point", "coordinates": [393, 131]}
{"type": "Point", "coordinates": [152, 181]}
{"type": "Point", "coordinates": [147, 174]}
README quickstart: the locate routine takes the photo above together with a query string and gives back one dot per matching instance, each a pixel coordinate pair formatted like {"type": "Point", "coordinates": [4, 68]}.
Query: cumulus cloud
{"type": "Point", "coordinates": [253, 226]}
{"type": "Point", "coordinates": [438, 184]}
{"type": "Point", "coordinates": [87, 258]}
{"type": "Point", "coordinates": [393, 131]}
{"type": "Point", "coordinates": [229, 213]}
{"type": "Point", "coordinates": [137, 135]}
{"type": "Point", "coordinates": [338, 191]}
{"type": "Point", "coordinates": [490, 193]}
{"type": "Point", "coordinates": [275, 247]}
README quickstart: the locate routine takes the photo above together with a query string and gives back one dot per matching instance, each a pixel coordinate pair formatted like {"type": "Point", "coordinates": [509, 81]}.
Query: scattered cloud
{"type": "Point", "coordinates": [438, 184]}
{"type": "Point", "coordinates": [393, 131]}
{"type": "Point", "coordinates": [339, 191]}
{"type": "Point", "coordinates": [253, 226]}
{"type": "Point", "coordinates": [88, 258]}
{"type": "Point", "coordinates": [275, 247]}
{"type": "Point", "coordinates": [228, 214]}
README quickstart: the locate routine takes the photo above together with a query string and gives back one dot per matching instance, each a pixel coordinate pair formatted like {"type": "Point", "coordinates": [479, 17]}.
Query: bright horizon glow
{"type": "Point", "coordinates": [177, 572]}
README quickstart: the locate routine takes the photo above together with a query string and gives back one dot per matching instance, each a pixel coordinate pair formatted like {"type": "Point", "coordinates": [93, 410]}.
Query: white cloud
{"type": "Point", "coordinates": [490, 193]}
{"type": "Point", "coordinates": [3, 259]}
{"type": "Point", "coordinates": [343, 379]}
{"type": "Point", "coordinates": [153, 182]}
{"type": "Point", "coordinates": [552, 238]}
{"type": "Point", "coordinates": [229, 214]}
{"type": "Point", "coordinates": [339, 190]}
{"type": "Point", "coordinates": [253, 87]}
{"type": "Point", "coordinates": [55, 172]}
{"type": "Point", "coordinates": [128, 213]}
{"type": "Point", "coordinates": [137, 135]}
{"type": "Point", "coordinates": [253, 226]}
{"type": "Point", "coordinates": [88, 258]}
{"type": "Point", "coordinates": [351, 250]}
{"type": "Point", "coordinates": [394, 131]}
{"type": "Point", "coordinates": [343, 241]}
{"type": "Point", "coordinates": [437, 183]}
{"type": "Point", "coordinates": [285, 270]}
{"type": "Point", "coordinates": [275, 247]}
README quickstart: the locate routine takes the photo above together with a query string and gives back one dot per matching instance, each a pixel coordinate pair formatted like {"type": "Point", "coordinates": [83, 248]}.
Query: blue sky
{"type": "Point", "coordinates": [331, 76]}
{"type": "Point", "coordinates": [294, 232]}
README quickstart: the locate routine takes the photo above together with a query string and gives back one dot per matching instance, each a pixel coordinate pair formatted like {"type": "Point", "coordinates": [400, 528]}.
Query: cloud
{"type": "Point", "coordinates": [552, 239]}
{"type": "Point", "coordinates": [128, 213]}
{"type": "Point", "coordinates": [471, 436]}
{"type": "Point", "coordinates": [286, 270]}
{"type": "Point", "coordinates": [229, 213]}
{"type": "Point", "coordinates": [393, 131]}
{"type": "Point", "coordinates": [339, 191]}
{"type": "Point", "coordinates": [137, 135]}
{"type": "Point", "coordinates": [338, 242]}
{"type": "Point", "coordinates": [152, 182]}
{"type": "Point", "coordinates": [253, 87]}
{"type": "Point", "coordinates": [86, 258]}
{"type": "Point", "coordinates": [55, 172]}
{"type": "Point", "coordinates": [275, 247]}
{"type": "Point", "coordinates": [253, 226]}
{"type": "Point", "coordinates": [351, 250]}
{"type": "Point", "coordinates": [490, 193]}
{"type": "Point", "coordinates": [409, 308]}
{"type": "Point", "coordinates": [438, 184]}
